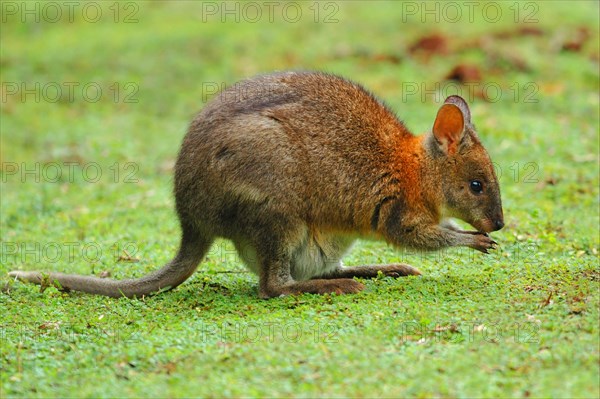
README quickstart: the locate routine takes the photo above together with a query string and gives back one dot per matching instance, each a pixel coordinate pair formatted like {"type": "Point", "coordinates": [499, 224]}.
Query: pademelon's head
{"type": "Point", "coordinates": [468, 180]}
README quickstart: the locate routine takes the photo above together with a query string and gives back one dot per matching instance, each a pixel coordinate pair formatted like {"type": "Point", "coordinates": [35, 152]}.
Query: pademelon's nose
{"type": "Point", "coordinates": [498, 223]}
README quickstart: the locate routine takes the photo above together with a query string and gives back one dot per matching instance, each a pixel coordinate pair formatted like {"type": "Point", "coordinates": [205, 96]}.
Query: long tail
{"type": "Point", "coordinates": [192, 250]}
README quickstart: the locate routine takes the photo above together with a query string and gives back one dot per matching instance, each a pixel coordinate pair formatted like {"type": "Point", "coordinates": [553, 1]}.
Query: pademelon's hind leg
{"type": "Point", "coordinates": [372, 271]}
{"type": "Point", "coordinates": [280, 274]}
{"type": "Point", "coordinates": [193, 247]}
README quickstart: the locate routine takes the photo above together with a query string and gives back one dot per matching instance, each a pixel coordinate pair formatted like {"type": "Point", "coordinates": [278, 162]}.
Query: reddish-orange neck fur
{"type": "Point", "coordinates": [415, 170]}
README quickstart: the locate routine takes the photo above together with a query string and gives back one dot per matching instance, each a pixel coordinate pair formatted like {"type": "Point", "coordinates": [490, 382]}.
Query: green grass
{"type": "Point", "coordinates": [521, 322]}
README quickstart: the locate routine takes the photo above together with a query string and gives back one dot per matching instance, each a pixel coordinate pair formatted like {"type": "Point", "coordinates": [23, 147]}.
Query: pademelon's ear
{"type": "Point", "coordinates": [449, 125]}
{"type": "Point", "coordinates": [462, 104]}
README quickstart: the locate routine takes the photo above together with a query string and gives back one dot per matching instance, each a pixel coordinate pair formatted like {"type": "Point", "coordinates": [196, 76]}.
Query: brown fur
{"type": "Point", "coordinates": [293, 166]}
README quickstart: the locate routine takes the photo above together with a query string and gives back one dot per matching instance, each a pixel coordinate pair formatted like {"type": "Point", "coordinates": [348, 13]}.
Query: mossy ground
{"type": "Point", "coordinates": [520, 322]}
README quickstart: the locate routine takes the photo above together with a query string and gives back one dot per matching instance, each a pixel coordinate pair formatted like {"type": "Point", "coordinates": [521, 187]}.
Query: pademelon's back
{"type": "Point", "coordinates": [298, 139]}
{"type": "Point", "coordinates": [304, 101]}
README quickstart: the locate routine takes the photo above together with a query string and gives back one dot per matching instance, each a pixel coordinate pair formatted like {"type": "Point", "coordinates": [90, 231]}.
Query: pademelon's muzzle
{"type": "Point", "coordinates": [498, 220]}
{"type": "Point", "coordinates": [491, 224]}
{"type": "Point", "coordinates": [498, 224]}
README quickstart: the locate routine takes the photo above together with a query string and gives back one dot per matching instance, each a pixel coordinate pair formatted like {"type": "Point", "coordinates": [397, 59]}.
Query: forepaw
{"type": "Point", "coordinates": [482, 242]}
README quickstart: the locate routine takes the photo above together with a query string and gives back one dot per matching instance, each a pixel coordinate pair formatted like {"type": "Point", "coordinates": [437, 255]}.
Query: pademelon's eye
{"type": "Point", "coordinates": [476, 186]}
